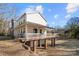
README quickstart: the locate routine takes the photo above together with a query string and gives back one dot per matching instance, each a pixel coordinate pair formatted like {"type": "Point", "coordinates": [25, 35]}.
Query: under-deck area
{"type": "Point", "coordinates": [38, 41]}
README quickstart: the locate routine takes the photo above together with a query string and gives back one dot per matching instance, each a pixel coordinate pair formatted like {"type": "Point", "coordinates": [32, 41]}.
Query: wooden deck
{"type": "Point", "coordinates": [33, 46]}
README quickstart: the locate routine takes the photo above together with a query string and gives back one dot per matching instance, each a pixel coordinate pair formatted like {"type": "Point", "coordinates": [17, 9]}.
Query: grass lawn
{"type": "Point", "coordinates": [63, 47]}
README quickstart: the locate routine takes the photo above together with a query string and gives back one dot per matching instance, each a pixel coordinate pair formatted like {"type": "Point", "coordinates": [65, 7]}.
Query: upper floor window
{"type": "Point", "coordinates": [23, 30]}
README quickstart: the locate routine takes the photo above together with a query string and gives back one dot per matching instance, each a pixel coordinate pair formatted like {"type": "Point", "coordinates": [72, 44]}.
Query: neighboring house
{"type": "Point", "coordinates": [29, 24]}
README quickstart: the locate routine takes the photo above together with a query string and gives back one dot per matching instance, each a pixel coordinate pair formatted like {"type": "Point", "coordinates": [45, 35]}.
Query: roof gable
{"type": "Point", "coordinates": [36, 18]}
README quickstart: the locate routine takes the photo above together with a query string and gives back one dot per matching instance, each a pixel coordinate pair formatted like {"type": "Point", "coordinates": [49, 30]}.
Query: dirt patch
{"type": "Point", "coordinates": [63, 47]}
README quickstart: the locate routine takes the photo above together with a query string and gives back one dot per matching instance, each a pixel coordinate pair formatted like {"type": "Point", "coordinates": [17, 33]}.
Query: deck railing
{"type": "Point", "coordinates": [31, 36]}
{"type": "Point", "coordinates": [36, 36]}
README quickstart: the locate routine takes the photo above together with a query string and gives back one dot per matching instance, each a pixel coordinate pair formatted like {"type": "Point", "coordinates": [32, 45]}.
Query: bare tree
{"type": "Point", "coordinates": [7, 12]}
{"type": "Point", "coordinates": [73, 27]}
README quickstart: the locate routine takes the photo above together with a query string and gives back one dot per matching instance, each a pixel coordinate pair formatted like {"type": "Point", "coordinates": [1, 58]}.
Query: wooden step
{"type": "Point", "coordinates": [26, 46]}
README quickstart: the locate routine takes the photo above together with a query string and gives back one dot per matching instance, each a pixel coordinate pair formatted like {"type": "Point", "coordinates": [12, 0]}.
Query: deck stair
{"type": "Point", "coordinates": [26, 45]}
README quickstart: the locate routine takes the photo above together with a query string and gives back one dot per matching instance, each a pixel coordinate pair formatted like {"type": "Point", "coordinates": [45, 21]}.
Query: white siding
{"type": "Point", "coordinates": [36, 18]}
{"type": "Point", "coordinates": [33, 18]}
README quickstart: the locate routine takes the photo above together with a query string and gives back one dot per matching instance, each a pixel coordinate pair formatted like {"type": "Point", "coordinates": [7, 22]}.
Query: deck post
{"type": "Point", "coordinates": [39, 45]}
{"type": "Point", "coordinates": [34, 45]}
{"type": "Point", "coordinates": [53, 42]}
{"type": "Point", "coordinates": [45, 43]}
